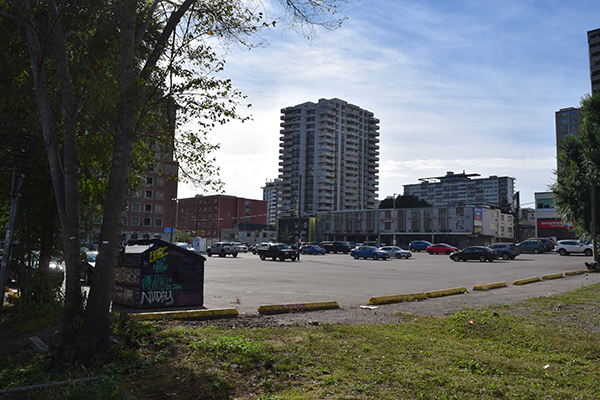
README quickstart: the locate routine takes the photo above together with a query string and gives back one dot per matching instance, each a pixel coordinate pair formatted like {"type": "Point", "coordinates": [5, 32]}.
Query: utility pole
{"type": "Point", "coordinates": [593, 223]}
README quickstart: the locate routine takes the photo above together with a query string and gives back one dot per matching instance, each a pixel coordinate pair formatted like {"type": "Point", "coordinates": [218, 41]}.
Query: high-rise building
{"type": "Point", "coordinates": [270, 193]}
{"type": "Point", "coordinates": [567, 122]}
{"type": "Point", "coordinates": [594, 47]}
{"type": "Point", "coordinates": [329, 158]}
{"type": "Point", "coordinates": [457, 189]}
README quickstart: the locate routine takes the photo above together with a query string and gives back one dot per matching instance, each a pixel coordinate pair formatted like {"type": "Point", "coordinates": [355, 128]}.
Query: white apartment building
{"type": "Point", "coordinates": [270, 194]}
{"type": "Point", "coordinates": [329, 158]}
{"type": "Point", "coordinates": [455, 189]}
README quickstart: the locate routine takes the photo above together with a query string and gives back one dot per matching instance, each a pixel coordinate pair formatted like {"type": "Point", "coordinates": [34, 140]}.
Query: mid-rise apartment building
{"type": "Point", "coordinates": [594, 47]}
{"type": "Point", "coordinates": [270, 194]}
{"type": "Point", "coordinates": [209, 216]}
{"type": "Point", "coordinates": [329, 158]}
{"type": "Point", "coordinates": [461, 189]}
{"type": "Point", "coordinates": [567, 122]}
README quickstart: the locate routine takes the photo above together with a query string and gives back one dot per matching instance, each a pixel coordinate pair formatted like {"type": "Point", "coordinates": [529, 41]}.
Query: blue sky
{"type": "Point", "coordinates": [457, 85]}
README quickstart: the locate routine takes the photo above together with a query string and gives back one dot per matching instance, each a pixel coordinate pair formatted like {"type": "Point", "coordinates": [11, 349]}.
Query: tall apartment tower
{"type": "Point", "coordinates": [270, 195]}
{"type": "Point", "coordinates": [567, 122]}
{"type": "Point", "coordinates": [329, 158]}
{"type": "Point", "coordinates": [594, 47]}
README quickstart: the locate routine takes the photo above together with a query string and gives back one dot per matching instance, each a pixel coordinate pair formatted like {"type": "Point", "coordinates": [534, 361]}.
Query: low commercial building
{"type": "Point", "coordinates": [460, 226]}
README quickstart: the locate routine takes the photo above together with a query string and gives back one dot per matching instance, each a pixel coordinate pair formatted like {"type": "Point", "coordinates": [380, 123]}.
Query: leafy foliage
{"type": "Point", "coordinates": [404, 201]}
{"type": "Point", "coordinates": [578, 169]}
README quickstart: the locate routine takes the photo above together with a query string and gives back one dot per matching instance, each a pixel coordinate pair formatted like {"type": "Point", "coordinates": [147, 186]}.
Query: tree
{"type": "Point", "coordinates": [154, 44]}
{"type": "Point", "coordinates": [578, 170]}
{"type": "Point", "coordinates": [404, 201]}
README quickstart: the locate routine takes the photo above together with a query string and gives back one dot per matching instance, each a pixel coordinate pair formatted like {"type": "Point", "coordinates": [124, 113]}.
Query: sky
{"type": "Point", "coordinates": [457, 86]}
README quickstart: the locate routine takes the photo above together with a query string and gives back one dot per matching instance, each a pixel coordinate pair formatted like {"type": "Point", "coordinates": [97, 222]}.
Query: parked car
{"type": "Point", "coordinates": [548, 243]}
{"type": "Point", "coordinates": [395, 251]}
{"type": "Point", "coordinates": [418, 245]}
{"type": "Point", "coordinates": [336, 247]}
{"type": "Point", "coordinates": [480, 253]}
{"type": "Point", "coordinates": [279, 251]}
{"type": "Point", "coordinates": [186, 246]}
{"type": "Point", "coordinates": [566, 247]}
{"type": "Point", "coordinates": [312, 249]}
{"type": "Point", "coordinates": [259, 246]}
{"type": "Point", "coordinates": [368, 252]}
{"type": "Point", "coordinates": [222, 249]}
{"type": "Point", "coordinates": [508, 251]}
{"type": "Point", "coordinates": [88, 263]}
{"type": "Point", "coordinates": [242, 248]}
{"type": "Point", "coordinates": [531, 246]}
{"type": "Point", "coordinates": [441, 248]}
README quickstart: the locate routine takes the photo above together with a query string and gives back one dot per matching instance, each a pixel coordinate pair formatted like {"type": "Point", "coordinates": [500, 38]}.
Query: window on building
{"type": "Point", "coordinates": [147, 221]}
{"type": "Point", "coordinates": [149, 180]}
{"type": "Point", "coordinates": [159, 208]}
{"type": "Point", "coordinates": [545, 204]}
{"type": "Point", "coordinates": [136, 207]}
{"type": "Point", "coordinates": [124, 221]}
{"type": "Point", "coordinates": [158, 222]}
{"type": "Point", "coordinates": [135, 221]}
{"type": "Point", "coordinates": [147, 208]}
{"type": "Point", "coordinates": [148, 194]}
{"type": "Point", "coordinates": [160, 181]}
{"type": "Point", "coordinates": [137, 193]}
{"type": "Point", "coordinates": [160, 195]}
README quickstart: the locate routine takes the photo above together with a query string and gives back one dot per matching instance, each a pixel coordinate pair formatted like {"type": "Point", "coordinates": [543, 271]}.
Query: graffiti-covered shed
{"type": "Point", "coordinates": [154, 273]}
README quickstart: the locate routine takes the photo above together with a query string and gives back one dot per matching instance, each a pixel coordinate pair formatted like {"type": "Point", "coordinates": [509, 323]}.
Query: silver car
{"type": "Point", "coordinates": [395, 251]}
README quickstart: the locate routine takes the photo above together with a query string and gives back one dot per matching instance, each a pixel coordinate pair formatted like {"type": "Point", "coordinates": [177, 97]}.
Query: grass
{"type": "Point", "coordinates": [544, 348]}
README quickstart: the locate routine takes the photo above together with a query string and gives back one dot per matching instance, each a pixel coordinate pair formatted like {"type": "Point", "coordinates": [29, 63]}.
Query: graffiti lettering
{"type": "Point", "coordinates": [153, 282]}
{"type": "Point", "coordinates": [187, 298]}
{"type": "Point", "coordinates": [157, 297]}
{"type": "Point", "coordinates": [157, 254]}
{"type": "Point", "coordinates": [160, 265]}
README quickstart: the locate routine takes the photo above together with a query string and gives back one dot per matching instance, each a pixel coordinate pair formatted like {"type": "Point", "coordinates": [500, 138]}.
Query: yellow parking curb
{"type": "Point", "coordinates": [526, 280]}
{"type": "Point", "coordinates": [578, 272]}
{"type": "Point", "coordinates": [489, 286]}
{"type": "Point", "coordinates": [552, 276]}
{"type": "Point", "coordinates": [12, 294]}
{"type": "Point", "coordinates": [190, 314]}
{"type": "Point", "coordinates": [446, 292]}
{"type": "Point", "coordinates": [399, 298]}
{"type": "Point", "coordinates": [289, 308]}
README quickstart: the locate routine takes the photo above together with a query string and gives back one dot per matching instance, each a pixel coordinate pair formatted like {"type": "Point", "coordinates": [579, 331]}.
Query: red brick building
{"type": "Point", "coordinates": [207, 216]}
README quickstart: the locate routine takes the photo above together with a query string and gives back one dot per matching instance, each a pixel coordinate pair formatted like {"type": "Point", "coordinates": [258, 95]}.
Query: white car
{"type": "Point", "coordinates": [566, 247]}
{"type": "Point", "coordinates": [395, 251]}
{"type": "Point", "coordinates": [242, 248]}
{"type": "Point", "coordinates": [186, 246]}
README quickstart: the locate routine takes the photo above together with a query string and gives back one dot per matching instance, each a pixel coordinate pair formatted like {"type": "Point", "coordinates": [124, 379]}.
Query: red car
{"type": "Point", "coordinates": [441, 248]}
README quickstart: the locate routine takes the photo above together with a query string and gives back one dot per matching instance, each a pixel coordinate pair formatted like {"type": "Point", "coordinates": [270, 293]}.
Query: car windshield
{"type": "Point", "coordinates": [91, 257]}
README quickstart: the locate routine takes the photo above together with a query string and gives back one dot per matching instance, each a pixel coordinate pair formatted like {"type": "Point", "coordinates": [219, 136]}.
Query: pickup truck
{"type": "Point", "coordinates": [276, 251]}
{"type": "Point", "coordinates": [222, 249]}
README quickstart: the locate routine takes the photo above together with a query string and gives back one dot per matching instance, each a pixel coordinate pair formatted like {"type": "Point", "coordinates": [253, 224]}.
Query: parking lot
{"type": "Point", "coordinates": [246, 282]}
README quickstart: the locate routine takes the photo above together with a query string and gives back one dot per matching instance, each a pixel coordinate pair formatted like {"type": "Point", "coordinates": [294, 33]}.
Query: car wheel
{"type": "Point", "coordinates": [512, 258]}
{"type": "Point", "coordinates": [222, 254]}
{"type": "Point", "coordinates": [293, 258]}
{"type": "Point", "coordinates": [375, 257]}
{"type": "Point", "coordinates": [431, 252]}
{"type": "Point", "coordinates": [491, 260]}
{"type": "Point", "coordinates": [413, 249]}
{"type": "Point", "coordinates": [281, 258]}
{"type": "Point", "coordinates": [398, 256]}
{"type": "Point", "coordinates": [505, 256]}
{"type": "Point", "coordinates": [262, 257]}
{"type": "Point", "coordinates": [234, 254]}
{"type": "Point", "coordinates": [588, 252]}
{"type": "Point", "coordinates": [562, 252]}
{"type": "Point", "coordinates": [208, 253]}
{"type": "Point", "coordinates": [384, 258]}
{"type": "Point", "coordinates": [481, 258]}
{"type": "Point", "coordinates": [456, 258]}
{"type": "Point", "coordinates": [356, 256]}
{"type": "Point", "coordinates": [536, 251]}
{"type": "Point", "coordinates": [448, 252]}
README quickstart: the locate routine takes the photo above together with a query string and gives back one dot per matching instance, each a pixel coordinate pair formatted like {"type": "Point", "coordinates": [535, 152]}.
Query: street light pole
{"type": "Point", "coordinates": [173, 199]}
{"type": "Point", "coordinates": [394, 219]}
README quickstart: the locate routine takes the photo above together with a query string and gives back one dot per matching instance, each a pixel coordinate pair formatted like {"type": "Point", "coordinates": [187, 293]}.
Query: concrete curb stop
{"type": "Point", "coordinates": [446, 292]}
{"type": "Point", "coordinates": [190, 314]}
{"type": "Point", "coordinates": [526, 280]}
{"type": "Point", "coordinates": [489, 286]}
{"type": "Point", "coordinates": [578, 272]}
{"type": "Point", "coordinates": [398, 298]}
{"type": "Point", "coordinates": [552, 276]}
{"type": "Point", "coordinates": [290, 308]}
